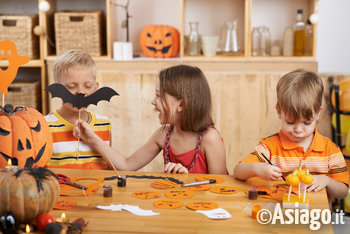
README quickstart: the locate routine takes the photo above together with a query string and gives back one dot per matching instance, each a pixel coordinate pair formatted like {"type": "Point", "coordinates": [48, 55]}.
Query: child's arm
{"type": "Point", "coordinates": [137, 160]}
{"type": "Point", "coordinates": [265, 171]}
{"type": "Point", "coordinates": [214, 151]}
{"type": "Point", "coordinates": [334, 188]}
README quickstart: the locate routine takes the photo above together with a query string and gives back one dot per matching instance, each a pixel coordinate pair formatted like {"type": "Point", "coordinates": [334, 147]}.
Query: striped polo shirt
{"type": "Point", "coordinates": [323, 157]}
{"type": "Point", "coordinates": [65, 145]}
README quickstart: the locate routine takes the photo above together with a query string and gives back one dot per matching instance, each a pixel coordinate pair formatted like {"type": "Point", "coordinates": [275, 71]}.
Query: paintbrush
{"type": "Point", "coordinates": [271, 164]}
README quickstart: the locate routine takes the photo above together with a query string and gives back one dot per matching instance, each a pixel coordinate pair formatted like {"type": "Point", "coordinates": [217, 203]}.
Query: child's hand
{"type": "Point", "coordinates": [268, 172]}
{"type": "Point", "coordinates": [319, 183]}
{"type": "Point", "coordinates": [83, 130]}
{"type": "Point", "coordinates": [175, 168]}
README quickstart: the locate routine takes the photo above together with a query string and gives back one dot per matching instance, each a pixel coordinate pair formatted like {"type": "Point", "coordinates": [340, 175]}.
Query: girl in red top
{"type": "Point", "coordinates": [189, 141]}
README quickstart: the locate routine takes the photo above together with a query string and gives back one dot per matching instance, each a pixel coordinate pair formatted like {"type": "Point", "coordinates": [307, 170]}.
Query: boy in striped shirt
{"type": "Point", "coordinates": [298, 144]}
{"type": "Point", "coordinates": [76, 70]}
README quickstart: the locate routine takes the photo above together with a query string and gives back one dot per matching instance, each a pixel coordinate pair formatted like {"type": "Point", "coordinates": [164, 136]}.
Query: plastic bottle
{"type": "Point", "coordinates": [299, 35]}
{"type": "Point", "coordinates": [194, 43]}
{"type": "Point", "coordinates": [309, 38]}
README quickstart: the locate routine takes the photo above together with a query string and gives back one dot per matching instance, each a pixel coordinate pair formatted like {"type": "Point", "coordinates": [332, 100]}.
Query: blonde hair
{"type": "Point", "coordinates": [188, 84]}
{"type": "Point", "coordinates": [299, 94]}
{"type": "Point", "coordinates": [71, 58]}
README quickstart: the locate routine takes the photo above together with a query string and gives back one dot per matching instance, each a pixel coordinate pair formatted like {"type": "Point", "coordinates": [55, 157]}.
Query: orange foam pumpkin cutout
{"type": "Point", "coordinates": [8, 51]}
{"type": "Point", "coordinates": [25, 137]}
{"type": "Point", "coordinates": [160, 41]}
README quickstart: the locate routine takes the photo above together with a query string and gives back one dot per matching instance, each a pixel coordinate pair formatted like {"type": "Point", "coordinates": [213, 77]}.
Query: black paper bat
{"type": "Point", "coordinates": [79, 100]}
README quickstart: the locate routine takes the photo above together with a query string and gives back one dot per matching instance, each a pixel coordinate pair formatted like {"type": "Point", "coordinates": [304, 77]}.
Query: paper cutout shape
{"type": "Point", "coordinates": [147, 177]}
{"type": "Point", "coordinates": [67, 190]}
{"type": "Point", "coordinates": [179, 194]}
{"type": "Point", "coordinates": [202, 205]}
{"type": "Point", "coordinates": [65, 205]}
{"type": "Point", "coordinates": [268, 193]}
{"type": "Point", "coordinates": [8, 51]}
{"type": "Point", "coordinates": [218, 213]}
{"type": "Point", "coordinates": [79, 100]}
{"type": "Point", "coordinates": [284, 187]}
{"type": "Point", "coordinates": [201, 187]}
{"type": "Point", "coordinates": [136, 210]}
{"type": "Point", "coordinates": [224, 190]}
{"type": "Point", "coordinates": [146, 194]}
{"type": "Point", "coordinates": [163, 184]}
{"type": "Point", "coordinates": [209, 177]}
{"type": "Point", "coordinates": [168, 204]}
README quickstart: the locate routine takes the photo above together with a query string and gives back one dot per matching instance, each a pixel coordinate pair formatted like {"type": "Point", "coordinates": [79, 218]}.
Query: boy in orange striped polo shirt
{"type": "Point", "coordinates": [299, 102]}
{"type": "Point", "coordinates": [76, 70]}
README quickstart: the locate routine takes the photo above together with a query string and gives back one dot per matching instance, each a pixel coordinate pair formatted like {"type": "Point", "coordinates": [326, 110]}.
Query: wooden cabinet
{"type": "Point", "coordinates": [35, 69]}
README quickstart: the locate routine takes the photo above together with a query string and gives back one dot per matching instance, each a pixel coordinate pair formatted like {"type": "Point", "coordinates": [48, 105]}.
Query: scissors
{"type": "Point", "coordinates": [63, 179]}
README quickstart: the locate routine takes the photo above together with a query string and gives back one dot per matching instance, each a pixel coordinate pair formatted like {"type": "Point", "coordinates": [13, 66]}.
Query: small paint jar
{"type": "Point", "coordinates": [122, 181]}
{"type": "Point", "coordinates": [107, 190]}
{"type": "Point", "coordinates": [253, 193]}
{"type": "Point", "coordinates": [255, 211]}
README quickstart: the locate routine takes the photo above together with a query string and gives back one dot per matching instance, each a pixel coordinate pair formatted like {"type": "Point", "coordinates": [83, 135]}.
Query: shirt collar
{"type": "Point", "coordinates": [316, 145]}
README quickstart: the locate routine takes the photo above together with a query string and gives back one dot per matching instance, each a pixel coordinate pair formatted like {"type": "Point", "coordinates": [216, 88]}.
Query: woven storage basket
{"type": "Point", "coordinates": [80, 30]}
{"type": "Point", "coordinates": [19, 29]}
{"type": "Point", "coordinates": [24, 94]}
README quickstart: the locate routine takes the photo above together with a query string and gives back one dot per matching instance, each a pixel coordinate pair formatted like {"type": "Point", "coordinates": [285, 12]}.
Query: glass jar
{"type": "Point", "coordinates": [265, 41]}
{"type": "Point", "coordinates": [194, 42]}
{"type": "Point", "coordinates": [255, 42]}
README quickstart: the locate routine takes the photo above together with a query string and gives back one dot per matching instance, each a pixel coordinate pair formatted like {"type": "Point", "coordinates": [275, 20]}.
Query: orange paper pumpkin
{"type": "Point", "coordinates": [8, 51]}
{"type": "Point", "coordinates": [168, 204]}
{"type": "Point", "coordinates": [25, 137]}
{"type": "Point", "coordinates": [160, 41]}
{"type": "Point", "coordinates": [28, 193]}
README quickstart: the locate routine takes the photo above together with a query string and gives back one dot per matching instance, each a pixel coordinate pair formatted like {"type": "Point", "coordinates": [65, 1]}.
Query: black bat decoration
{"type": "Point", "coordinates": [79, 100]}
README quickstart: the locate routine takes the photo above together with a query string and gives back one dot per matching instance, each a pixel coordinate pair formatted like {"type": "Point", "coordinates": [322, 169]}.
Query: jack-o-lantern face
{"type": "Point", "coordinates": [25, 137]}
{"type": "Point", "coordinates": [8, 51]}
{"type": "Point", "coordinates": [160, 41]}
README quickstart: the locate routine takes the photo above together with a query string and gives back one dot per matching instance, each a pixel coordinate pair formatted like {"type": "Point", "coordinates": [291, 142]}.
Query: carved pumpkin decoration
{"type": "Point", "coordinates": [28, 193]}
{"type": "Point", "coordinates": [293, 179]}
{"type": "Point", "coordinates": [160, 41]}
{"type": "Point", "coordinates": [25, 137]}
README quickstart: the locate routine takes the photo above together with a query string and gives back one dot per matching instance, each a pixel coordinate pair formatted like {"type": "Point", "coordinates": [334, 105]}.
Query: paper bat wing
{"type": "Point", "coordinates": [104, 93]}
{"type": "Point", "coordinates": [58, 90]}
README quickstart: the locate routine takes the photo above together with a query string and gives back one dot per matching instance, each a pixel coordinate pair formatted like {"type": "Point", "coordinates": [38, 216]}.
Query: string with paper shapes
{"type": "Point", "coordinates": [9, 53]}
{"type": "Point", "coordinates": [79, 100]}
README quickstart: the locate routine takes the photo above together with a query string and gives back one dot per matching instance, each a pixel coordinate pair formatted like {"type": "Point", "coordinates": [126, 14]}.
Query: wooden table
{"type": "Point", "coordinates": [180, 220]}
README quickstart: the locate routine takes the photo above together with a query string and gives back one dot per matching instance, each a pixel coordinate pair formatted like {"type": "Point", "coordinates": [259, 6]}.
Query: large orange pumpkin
{"type": "Point", "coordinates": [28, 193]}
{"type": "Point", "coordinates": [25, 137]}
{"type": "Point", "coordinates": [160, 41]}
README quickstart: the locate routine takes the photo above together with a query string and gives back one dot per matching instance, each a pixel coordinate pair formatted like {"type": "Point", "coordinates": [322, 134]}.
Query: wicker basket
{"type": "Point", "coordinates": [19, 29]}
{"type": "Point", "coordinates": [80, 30]}
{"type": "Point", "coordinates": [24, 94]}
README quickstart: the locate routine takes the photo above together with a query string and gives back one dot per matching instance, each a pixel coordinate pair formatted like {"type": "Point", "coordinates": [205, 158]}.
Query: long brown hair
{"type": "Point", "coordinates": [299, 94]}
{"type": "Point", "coordinates": [188, 84]}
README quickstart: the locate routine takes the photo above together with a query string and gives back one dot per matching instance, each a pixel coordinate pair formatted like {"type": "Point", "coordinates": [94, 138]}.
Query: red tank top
{"type": "Point", "coordinates": [194, 160]}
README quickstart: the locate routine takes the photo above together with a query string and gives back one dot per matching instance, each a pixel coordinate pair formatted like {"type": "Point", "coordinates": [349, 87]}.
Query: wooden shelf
{"type": "Point", "coordinates": [31, 63]}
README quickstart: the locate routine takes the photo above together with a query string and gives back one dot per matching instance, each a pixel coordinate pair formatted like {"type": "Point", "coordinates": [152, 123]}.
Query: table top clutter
{"type": "Point", "coordinates": [181, 217]}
